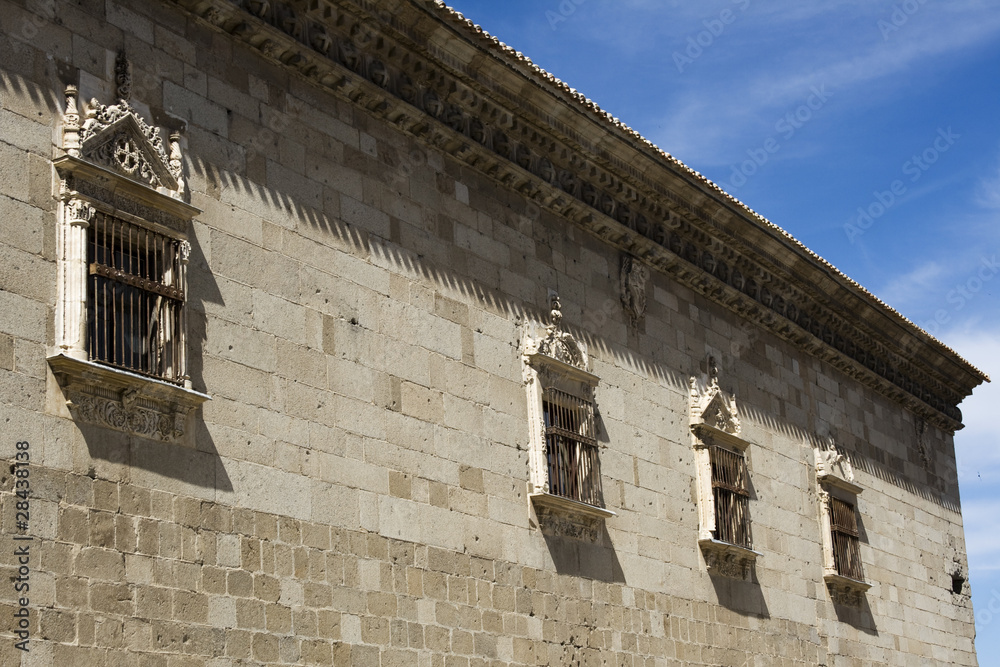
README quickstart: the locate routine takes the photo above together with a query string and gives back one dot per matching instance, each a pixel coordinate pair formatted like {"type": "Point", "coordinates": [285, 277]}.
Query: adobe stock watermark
{"type": "Point", "coordinates": [886, 199]}
{"type": "Point", "coordinates": [703, 39]}
{"type": "Point", "coordinates": [963, 293]}
{"type": "Point", "coordinates": [785, 127]}
{"type": "Point", "coordinates": [900, 15]}
{"type": "Point", "coordinates": [43, 13]}
{"type": "Point", "coordinates": [985, 616]}
{"type": "Point", "coordinates": [566, 9]}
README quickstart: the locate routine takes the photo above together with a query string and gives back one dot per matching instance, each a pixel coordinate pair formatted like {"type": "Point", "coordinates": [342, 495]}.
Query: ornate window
{"type": "Point", "coordinates": [723, 478]}
{"type": "Point", "coordinates": [122, 249]}
{"type": "Point", "coordinates": [837, 492]}
{"type": "Point", "coordinates": [565, 485]}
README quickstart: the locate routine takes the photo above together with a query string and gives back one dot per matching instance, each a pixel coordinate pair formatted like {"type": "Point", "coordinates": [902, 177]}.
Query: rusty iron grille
{"type": "Point", "coordinates": [732, 497]}
{"type": "Point", "coordinates": [571, 448]}
{"type": "Point", "coordinates": [846, 542]}
{"type": "Point", "coordinates": [134, 298]}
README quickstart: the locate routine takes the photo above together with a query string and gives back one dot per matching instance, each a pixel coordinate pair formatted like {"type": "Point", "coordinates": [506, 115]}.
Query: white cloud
{"type": "Point", "coordinates": [977, 446]}
{"type": "Point", "coordinates": [988, 195]}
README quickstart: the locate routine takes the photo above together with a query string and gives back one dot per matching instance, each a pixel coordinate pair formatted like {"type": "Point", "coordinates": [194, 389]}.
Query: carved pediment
{"type": "Point", "coordinates": [833, 467]}
{"type": "Point", "coordinates": [712, 406]}
{"type": "Point", "coordinates": [558, 344]}
{"type": "Point", "coordinates": [117, 138]}
{"type": "Point", "coordinates": [126, 145]}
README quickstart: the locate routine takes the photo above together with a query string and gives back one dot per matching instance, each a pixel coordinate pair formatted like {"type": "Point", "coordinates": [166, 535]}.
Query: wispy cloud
{"type": "Point", "coordinates": [988, 194]}
{"type": "Point", "coordinates": [746, 99]}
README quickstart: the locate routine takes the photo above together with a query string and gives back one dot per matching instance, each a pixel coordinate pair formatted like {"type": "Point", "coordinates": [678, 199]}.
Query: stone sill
{"type": "Point", "coordinates": [569, 507]}
{"type": "Point", "coordinates": [842, 582]}
{"type": "Point", "coordinates": [728, 549]}
{"type": "Point", "coordinates": [124, 401]}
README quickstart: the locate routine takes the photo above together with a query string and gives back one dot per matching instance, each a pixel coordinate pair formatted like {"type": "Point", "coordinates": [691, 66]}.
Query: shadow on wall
{"type": "Point", "coordinates": [584, 558]}
{"type": "Point", "coordinates": [192, 467]}
{"type": "Point", "coordinates": [741, 596]}
{"type": "Point", "coordinates": [859, 616]}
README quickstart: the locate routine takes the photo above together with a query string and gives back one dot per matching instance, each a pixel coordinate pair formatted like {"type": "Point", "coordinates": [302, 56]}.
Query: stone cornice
{"type": "Point", "coordinates": [424, 70]}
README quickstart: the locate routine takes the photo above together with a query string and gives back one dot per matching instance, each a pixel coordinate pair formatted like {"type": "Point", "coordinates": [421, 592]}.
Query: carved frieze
{"type": "Point", "coordinates": [559, 168]}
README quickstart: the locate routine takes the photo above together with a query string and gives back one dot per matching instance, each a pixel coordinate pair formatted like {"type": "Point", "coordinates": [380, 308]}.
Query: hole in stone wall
{"type": "Point", "coordinates": [957, 583]}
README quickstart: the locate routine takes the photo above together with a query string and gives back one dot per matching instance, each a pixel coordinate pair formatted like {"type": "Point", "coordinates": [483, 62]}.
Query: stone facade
{"type": "Point", "coordinates": [379, 204]}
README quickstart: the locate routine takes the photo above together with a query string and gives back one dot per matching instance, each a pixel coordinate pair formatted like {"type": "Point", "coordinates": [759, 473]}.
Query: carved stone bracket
{"type": "Point", "coordinates": [568, 518]}
{"type": "Point", "coordinates": [728, 560]}
{"type": "Point", "coordinates": [845, 591]}
{"type": "Point", "coordinates": [116, 399]}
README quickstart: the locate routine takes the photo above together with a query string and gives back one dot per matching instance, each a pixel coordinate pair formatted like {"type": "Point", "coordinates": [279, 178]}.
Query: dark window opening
{"type": "Point", "coordinates": [846, 542]}
{"type": "Point", "coordinates": [571, 447]}
{"type": "Point", "coordinates": [957, 583]}
{"type": "Point", "coordinates": [134, 298]}
{"type": "Point", "coordinates": [730, 491]}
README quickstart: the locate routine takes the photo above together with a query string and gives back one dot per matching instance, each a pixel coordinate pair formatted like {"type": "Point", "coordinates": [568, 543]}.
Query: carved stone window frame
{"type": "Point", "coordinates": [715, 422]}
{"type": "Point", "coordinates": [115, 163]}
{"type": "Point", "coordinates": [835, 479]}
{"type": "Point", "coordinates": [554, 359]}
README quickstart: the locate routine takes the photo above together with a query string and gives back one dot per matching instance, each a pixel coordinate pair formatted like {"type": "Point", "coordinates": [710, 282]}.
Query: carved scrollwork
{"type": "Point", "coordinates": [727, 563]}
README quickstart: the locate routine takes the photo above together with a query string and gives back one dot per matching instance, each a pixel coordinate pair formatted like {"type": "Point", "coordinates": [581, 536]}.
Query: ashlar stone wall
{"type": "Point", "coordinates": [355, 492]}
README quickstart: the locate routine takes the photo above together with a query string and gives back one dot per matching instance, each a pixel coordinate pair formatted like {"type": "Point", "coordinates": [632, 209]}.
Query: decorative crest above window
{"type": "Point", "coordinates": [833, 467]}
{"type": "Point", "coordinates": [116, 137]}
{"type": "Point", "coordinates": [712, 406]}
{"type": "Point", "coordinates": [556, 343]}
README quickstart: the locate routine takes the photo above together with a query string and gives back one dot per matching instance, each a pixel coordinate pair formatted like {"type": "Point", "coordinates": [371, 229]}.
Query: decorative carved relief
{"type": "Point", "coordinates": [712, 406]}
{"type": "Point", "coordinates": [633, 278]}
{"type": "Point", "coordinates": [117, 137]}
{"type": "Point", "coordinates": [559, 344]}
{"type": "Point", "coordinates": [831, 463]}
{"type": "Point", "coordinates": [106, 397]}
{"type": "Point", "coordinates": [846, 595]}
{"type": "Point", "coordinates": [563, 524]}
{"type": "Point", "coordinates": [728, 563]}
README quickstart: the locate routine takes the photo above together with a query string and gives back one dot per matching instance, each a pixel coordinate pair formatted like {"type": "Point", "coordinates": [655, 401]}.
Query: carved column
{"type": "Point", "coordinates": [72, 248]}
{"type": "Point", "coordinates": [71, 123]}
{"type": "Point", "coordinates": [184, 256]}
{"type": "Point", "coordinates": [829, 566]}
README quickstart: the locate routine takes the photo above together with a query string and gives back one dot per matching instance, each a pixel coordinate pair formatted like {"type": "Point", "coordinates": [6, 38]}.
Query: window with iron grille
{"type": "Point", "coordinates": [730, 491]}
{"type": "Point", "coordinates": [571, 447]}
{"type": "Point", "coordinates": [846, 542]}
{"type": "Point", "coordinates": [135, 299]}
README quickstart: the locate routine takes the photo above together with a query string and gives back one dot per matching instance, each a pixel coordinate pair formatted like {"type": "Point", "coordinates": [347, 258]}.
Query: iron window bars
{"type": "Point", "coordinates": [732, 497]}
{"type": "Point", "coordinates": [135, 299]}
{"type": "Point", "coordinates": [574, 469]}
{"type": "Point", "coordinates": [846, 541]}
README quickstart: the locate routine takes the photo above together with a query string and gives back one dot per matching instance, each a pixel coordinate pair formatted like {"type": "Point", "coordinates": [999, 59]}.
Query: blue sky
{"type": "Point", "coordinates": [870, 130]}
